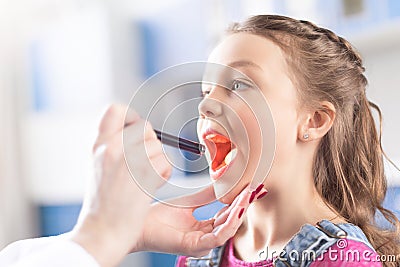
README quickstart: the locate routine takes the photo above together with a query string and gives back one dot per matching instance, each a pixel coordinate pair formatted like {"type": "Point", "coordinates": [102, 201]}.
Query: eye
{"type": "Point", "coordinates": [238, 85]}
{"type": "Point", "coordinates": [205, 89]}
{"type": "Point", "coordinates": [205, 93]}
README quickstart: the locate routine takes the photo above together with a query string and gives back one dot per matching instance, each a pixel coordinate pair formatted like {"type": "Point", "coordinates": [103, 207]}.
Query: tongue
{"type": "Point", "coordinates": [219, 159]}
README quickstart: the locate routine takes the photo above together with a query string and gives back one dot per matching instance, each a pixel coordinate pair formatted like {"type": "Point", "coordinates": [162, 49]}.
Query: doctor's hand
{"type": "Point", "coordinates": [114, 208]}
{"type": "Point", "coordinates": [175, 230]}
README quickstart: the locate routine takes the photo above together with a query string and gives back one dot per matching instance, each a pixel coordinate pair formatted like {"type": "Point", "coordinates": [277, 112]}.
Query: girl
{"type": "Point", "coordinates": [327, 181]}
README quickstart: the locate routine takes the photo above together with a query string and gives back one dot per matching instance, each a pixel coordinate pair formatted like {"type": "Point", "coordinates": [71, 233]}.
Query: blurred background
{"type": "Point", "coordinates": [63, 61]}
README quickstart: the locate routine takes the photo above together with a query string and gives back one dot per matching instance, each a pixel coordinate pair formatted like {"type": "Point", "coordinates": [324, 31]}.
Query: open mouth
{"type": "Point", "coordinates": [222, 150]}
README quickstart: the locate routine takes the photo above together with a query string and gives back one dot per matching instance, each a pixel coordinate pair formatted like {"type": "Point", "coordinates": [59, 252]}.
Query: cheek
{"type": "Point", "coordinates": [286, 129]}
{"type": "Point", "coordinates": [285, 141]}
{"type": "Point", "coordinates": [283, 101]}
{"type": "Point", "coordinates": [250, 126]}
{"type": "Point", "coordinates": [252, 147]}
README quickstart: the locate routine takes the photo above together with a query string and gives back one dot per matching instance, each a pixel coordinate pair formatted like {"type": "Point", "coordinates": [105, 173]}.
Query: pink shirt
{"type": "Point", "coordinates": [347, 253]}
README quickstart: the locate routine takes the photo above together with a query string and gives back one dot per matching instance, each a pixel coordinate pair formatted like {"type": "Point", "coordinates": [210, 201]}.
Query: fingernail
{"type": "Point", "coordinates": [262, 195]}
{"type": "Point", "coordinates": [258, 189]}
{"type": "Point", "coordinates": [241, 213]}
{"type": "Point", "coordinates": [253, 194]}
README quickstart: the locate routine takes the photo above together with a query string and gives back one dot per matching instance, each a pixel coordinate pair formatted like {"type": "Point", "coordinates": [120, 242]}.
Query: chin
{"type": "Point", "coordinates": [227, 199]}
{"type": "Point", "coordinates": [225, 193]}
{"type": "Point", "coordinates": [222, 195]}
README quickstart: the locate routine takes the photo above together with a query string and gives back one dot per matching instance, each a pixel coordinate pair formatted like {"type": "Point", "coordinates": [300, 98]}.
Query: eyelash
{"type": "Point", "coordinates": [235, 82]}
{"type": "Point", "coordinates": [240, 82]}
{"type": "Point", "coordinates": [205, 93]}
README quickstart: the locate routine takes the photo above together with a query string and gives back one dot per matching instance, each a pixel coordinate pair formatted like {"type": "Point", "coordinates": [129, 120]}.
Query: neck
{"type": "Point", "coordinates": [272, 221]}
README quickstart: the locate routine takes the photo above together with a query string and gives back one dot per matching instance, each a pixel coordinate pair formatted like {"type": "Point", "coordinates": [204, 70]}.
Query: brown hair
{"type": "Point", "coordinates": [348, 169]}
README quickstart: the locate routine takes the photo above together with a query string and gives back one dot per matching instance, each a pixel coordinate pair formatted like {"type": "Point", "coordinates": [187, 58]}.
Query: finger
{"type": "Point", "coordinates": [243, 193]}
{"type": "Point", "coordinates": [150, 152]}
{"type": "Point", "coordinates": [205, 226]}
{"type": "Point", "coordinates": [161, 166]}
{"type": "Point", "coordinates": [226, 230]}
{"type": "Point", "coordinates": [242, 199]}
{"type": "Point", "coordinates": [137, 151]}
{"type": "Point", "coordinates": [223, 232]}
{"type": "Point", "coordinates": [131, 117]}
{"type": "Point", "coordinates": [221, 211]}
{"type": "Point", "coordinates": [262, 193]}
{"type": "Point", "coordinates": [113, 121]}
{"type": "Point", "coordinates": [153, 148]}
{"type": "Point", "coordinates": [137, 133]}
{"type": "Point", "coordinates": [221, 218]}
{"type": "Point", "coordinates": [108, 154]}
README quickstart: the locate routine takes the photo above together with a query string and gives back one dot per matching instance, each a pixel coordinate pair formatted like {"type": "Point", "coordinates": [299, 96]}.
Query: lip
{"type": "Point", "coordinates": [209, 131]}
{"type": "Point", "coordinates": [216, 174]}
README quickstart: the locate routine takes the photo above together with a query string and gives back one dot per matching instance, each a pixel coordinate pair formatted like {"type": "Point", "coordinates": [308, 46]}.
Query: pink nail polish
{"type": "Point", "coordinates": [241, 213]}
{"type": "Point", "coordinates": [253, 194]}
{"type": "Point", "coordinates": [262, 195]}
{"type": "Point", "coordinates": [258, 189]}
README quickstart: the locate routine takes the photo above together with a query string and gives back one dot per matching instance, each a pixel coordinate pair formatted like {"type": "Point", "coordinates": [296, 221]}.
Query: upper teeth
{"type": "Point", "coordinates": [230, 156]}
{"type": "Point", "coordinates": [209, 136]}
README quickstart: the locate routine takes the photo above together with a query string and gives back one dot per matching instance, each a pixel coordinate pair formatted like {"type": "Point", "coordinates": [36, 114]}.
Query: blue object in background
{"type": "Point", "coordinates": [392, 200]}
{"type": "Point", "coordinates": [392, 203]}
{"type": "Point", "coordinates": [394, 8]}
{"type": "Point", "coordinates": [208, 211]}
{"type": "Point", "coordinates": [160, 259]}
{"type": "Point", "coordinates": [58, 219]}
{"type": "Point", "coordinates": [150, 51]}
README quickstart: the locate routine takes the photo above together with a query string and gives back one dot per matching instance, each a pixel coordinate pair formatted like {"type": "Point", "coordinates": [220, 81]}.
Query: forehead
{"type": "Point", "coordinates": [245, 50]}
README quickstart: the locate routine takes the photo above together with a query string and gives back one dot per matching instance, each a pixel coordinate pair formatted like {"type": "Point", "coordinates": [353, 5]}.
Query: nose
{"type": "Point", "coordinates": [212, 105]}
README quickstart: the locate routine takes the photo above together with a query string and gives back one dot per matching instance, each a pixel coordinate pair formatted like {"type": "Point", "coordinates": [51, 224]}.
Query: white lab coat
{"type": "Point", "coordinates": [45, 252]}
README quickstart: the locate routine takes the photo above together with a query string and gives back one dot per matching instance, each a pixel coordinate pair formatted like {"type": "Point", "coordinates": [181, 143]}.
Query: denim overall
{"type": "Point", "coordinates": [310, 240]}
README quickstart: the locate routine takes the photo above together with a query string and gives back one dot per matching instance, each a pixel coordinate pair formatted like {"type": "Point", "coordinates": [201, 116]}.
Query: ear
{"type": "Point", "coordinates": [317, 123]}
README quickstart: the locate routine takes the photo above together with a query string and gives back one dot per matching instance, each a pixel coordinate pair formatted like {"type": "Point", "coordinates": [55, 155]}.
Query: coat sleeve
{"type": "Point", "coordinates": [46, 252]}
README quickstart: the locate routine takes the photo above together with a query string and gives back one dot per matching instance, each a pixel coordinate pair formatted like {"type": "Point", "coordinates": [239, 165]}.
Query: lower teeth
{"type": "Point", "coordinates": [230, 156]}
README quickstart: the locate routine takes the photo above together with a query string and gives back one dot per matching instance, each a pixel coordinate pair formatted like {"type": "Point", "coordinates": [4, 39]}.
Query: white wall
{"type": "Point", "coordinates": [14, 204]}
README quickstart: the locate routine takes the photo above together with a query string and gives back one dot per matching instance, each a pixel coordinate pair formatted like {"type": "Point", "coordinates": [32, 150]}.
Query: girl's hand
{"type": "Point", "coordinates": [175, 230]}
{"type": "Point", "coordinates": [114, 208]}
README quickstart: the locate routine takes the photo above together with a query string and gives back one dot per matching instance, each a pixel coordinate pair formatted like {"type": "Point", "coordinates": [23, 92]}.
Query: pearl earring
{"type": "Point", "coordinates": [305, 136]}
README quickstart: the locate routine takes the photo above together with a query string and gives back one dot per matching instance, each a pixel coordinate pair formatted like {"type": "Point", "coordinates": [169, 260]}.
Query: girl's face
{"type": "Point", "coordinates": [227, 123]}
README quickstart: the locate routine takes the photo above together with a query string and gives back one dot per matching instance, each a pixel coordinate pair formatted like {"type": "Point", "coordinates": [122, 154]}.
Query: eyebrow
{"type": "Point", "coordinates": [244, 63]}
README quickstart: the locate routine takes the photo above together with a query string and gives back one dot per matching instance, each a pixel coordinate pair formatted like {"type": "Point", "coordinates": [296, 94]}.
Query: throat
{"type": "Point", "coordinates": [269, 225]}
{"type": "Point", "coordinates": [220, 158]}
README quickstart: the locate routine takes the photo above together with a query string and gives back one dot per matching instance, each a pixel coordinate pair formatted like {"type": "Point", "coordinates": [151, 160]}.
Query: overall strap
{"type": "Point", "coordinates": [212, 259]}
{"type": "Point", "coordinates": [312, 241]}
